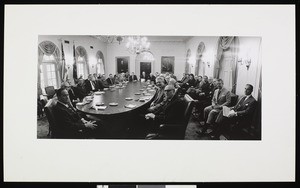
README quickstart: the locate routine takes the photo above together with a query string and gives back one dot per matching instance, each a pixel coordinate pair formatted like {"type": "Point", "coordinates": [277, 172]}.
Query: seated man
{"type": "Point", "coordinates": [241, 112]}
{"type": "Point", "coordinates": [69, 122]}
{"type": "Point", "coordinates": [110, 80]}
{"type": "Point", "coordinates": [220, 98]}
{"type": "Point", "coordinates": [159, 95]}
{"type": "Point", "coordinates": [79, 89]}
{"type": "Point", "coordinates": [132, 77]}
{"type": "Point", "coordinates": [89, 84]}
{"type": "Point", "coordinates": [171, 112]}
{"type": "Point", "coordinates": [152, 78]}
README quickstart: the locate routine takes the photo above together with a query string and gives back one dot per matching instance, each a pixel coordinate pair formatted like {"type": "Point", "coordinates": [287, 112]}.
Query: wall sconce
{"type": "Point", "coordinates": [248, 63]}
{"type": "Point", "coordinates": [208, 64]}
{"type": "Point", "coordinates": [240, 60]}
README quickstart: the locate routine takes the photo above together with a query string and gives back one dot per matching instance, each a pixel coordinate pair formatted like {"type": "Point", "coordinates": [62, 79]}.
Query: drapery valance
{"type": "Point", "coordinates": [48, 48]}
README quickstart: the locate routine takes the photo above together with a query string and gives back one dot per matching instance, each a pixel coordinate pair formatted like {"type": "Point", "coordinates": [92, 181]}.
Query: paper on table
{"type": "Point", "coordinates": [227, 111]}
{"type": "Point", "coordinates": [130, 106]}
{"type": "Point", "coordinates": [101, 107]}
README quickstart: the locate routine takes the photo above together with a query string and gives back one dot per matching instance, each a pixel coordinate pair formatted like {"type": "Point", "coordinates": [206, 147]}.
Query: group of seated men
{"type": "Point", "coordinates": [166, 106]}
{"type": "Point", "coordinates": [211, 97]}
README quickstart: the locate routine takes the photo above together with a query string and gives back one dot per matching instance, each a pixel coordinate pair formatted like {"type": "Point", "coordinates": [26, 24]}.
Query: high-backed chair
{"type": "Point", "coordinates": [177, 131]}
{"type": "Point", "coordinates": [50, 116]}
{"type": "Point", "coordinates": [50, 91]}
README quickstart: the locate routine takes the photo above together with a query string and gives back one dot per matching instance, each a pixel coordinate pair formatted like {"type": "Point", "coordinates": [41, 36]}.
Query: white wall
{"type": "Point", "coordinates": [250, 47]}
{"type": "Point", "coordinates": [84, 41]}
{"type": "Point", "coordinates": [158, 50]}
{"type": "Point", "coordinates": [207, 55]}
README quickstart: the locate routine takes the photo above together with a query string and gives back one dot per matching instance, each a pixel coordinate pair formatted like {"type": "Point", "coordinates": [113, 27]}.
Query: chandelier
{"type": "Point", "coordinates": [137, 44]}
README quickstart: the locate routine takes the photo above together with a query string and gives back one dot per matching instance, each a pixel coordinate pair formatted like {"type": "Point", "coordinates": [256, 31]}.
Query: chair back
{"type": "Point", "coordinates": [50, 91]}
{"type": "Point", "coordinates": [49, 111]}
{"type": "Point", "coordinates": [189, 104]}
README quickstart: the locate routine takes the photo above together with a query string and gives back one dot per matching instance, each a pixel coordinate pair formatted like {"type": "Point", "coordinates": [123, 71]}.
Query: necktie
{"type": "Point", "coordinates": [219, 94]}
{"type": "Point", "coordinates": [93, 85]}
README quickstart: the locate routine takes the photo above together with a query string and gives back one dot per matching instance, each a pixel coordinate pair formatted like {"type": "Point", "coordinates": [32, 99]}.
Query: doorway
{"type": "Point", "coordinates": [145, 67]}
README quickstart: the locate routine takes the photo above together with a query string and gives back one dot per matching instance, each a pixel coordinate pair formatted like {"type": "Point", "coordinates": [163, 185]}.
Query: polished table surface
{"type": "Point", "coordinates": [118, 95]}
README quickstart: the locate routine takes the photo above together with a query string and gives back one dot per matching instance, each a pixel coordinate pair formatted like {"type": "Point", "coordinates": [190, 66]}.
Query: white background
{"type": "Point", "coordinates": [27, 158]}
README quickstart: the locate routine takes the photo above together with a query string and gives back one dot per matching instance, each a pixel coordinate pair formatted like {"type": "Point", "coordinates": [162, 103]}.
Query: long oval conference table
{"type": "Point", "coordinates": [118, 106]}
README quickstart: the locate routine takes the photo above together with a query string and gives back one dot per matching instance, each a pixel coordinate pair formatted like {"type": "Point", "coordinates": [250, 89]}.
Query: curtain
{"type": "Point", "coordinates": [48, 48]}
{"type": "Point", "coordinates": [187, 65]}
{"type": "Point", "coordinates": [80, 51]}
{"type": "Point", "coordinates": [232, 44]}
{"type": "Point", "coordinates": [40, 59]}
{"type": "Point", "coordinates": [100, 55]}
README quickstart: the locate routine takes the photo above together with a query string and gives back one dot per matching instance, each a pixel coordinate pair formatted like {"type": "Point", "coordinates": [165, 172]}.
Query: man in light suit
{"type": "Point", "coordinates": [242, 112]}
{"type": "Point", "coordinates": [159, 95]}
{"type": "Point", "coordinates": [220, 98]}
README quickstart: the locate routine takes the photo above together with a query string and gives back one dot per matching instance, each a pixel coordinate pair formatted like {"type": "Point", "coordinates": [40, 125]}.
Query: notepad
{"type": "Point", "coordinates": [227, 111]}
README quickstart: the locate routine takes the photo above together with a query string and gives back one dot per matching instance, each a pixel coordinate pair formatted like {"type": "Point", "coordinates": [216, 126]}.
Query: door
{"type": "Point", "coordinates": [145, 66]}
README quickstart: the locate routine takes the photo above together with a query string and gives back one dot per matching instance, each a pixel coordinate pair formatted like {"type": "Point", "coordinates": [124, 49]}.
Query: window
{"type": "Point", "coordinates": [80, 69]}
{"type": "Point", "coordinates": [48, 72]}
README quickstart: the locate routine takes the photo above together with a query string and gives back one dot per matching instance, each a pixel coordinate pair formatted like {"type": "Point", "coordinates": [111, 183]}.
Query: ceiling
{"type": "Point", "coordinates": [152, 38]}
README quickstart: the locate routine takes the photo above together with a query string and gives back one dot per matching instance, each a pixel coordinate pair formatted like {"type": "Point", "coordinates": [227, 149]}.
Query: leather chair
{"type": "Point", "coordinates": [177, 131]}
{"type": "Point", "coordinates": [50, 91]}
{"type": "Point", "coordinates": [48, 109]}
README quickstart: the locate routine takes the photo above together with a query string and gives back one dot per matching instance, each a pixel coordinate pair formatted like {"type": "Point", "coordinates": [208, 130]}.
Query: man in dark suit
{"type": "Point", "coordinates": [69, 123]}
{"type": "Point", "coordinates": [170, 112]}
{"type": "Point", "coordinates": [132, 77]}
{"type": "Point", "coordinates": [242, 112]}
{"type": "Point", "coordinates": [90, 84]}
{"type": "Point", "coordinates": [110, 80]}
{"type": "Point", "coordinates": [221, 98]}
{"type": "Point", "coordinates": [152, 78]}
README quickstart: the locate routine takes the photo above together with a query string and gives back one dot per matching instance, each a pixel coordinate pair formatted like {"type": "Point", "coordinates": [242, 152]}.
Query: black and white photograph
{"type": "Point", "coordinates": [222, 101]}
{"type": "Point", "coordinates": [142, 94]}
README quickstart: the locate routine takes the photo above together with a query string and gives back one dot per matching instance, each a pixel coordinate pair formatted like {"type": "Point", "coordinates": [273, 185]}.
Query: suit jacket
{"type": "Point", "coordinates": [245, 107]}
{"type": "Point", "coordinates": [99, 85]}
{"type": "Point", "coordinates": [110, 81]}
{"type": "Point", "coordinates": [159, 96]}
{"type": "Point", "coordinates": [68, 122]}
{"type": "Point", "coordinates": [88, 86]}
{"type": "Point", "coordinates": [79, 92]}
{"type": "Point", "coordinates": [152, 78]}
{"type": "Point", "coordinates": [131, 79]}
{"type": "Point", "coordinates": [222, 99]}
{"type": "Point", "coordinates": [171, 112]}
{"type": "Point", "coordinates": [145, 77]}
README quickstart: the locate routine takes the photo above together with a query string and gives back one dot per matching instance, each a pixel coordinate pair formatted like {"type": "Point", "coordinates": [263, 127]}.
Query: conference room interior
{"type": "Point", "coordinates": [118, 110]}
